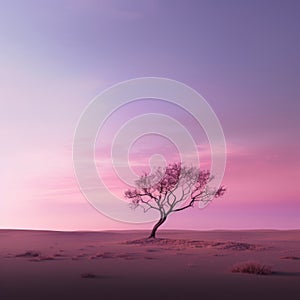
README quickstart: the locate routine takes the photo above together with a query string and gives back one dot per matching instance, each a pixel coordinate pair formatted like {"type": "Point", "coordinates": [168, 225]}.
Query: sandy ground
{"type": "Point", "coordinates": [122, 265]}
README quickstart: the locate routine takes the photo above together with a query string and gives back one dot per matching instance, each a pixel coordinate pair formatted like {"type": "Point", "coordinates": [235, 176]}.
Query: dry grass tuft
{"type": "Point", "coordinates": [42, 258]}
{"type": "Point", "coordinates": [291, 257]}
{"type": "Point", "coordinates": [252, 268]}
{"type": "Point", "coordinates": [88, 275]}
{"type": "Point", "coordinates": [29, 253]}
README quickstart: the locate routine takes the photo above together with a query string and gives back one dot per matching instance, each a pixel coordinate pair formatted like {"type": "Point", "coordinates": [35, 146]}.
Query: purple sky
{"type": "Point", "coordinates": [242, 56]}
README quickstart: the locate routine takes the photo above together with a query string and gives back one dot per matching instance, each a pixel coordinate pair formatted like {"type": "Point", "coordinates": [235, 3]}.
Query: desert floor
{"type": "Point", "coordinates": [123, 265]}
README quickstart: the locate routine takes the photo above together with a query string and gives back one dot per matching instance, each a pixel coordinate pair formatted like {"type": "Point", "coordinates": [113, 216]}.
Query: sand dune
{"type": "Point", "coordinates": [126, 265]}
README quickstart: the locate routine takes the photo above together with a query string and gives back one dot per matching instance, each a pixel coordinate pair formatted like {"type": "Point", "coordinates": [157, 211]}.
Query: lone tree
{"type": "Point", "coordinates": [172, 189]}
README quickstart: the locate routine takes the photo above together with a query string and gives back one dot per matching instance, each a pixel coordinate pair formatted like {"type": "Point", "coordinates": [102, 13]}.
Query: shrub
{"type": "Point", "coordinates": [88, 275]}
{"type": "Point", "coordinates": [252, 268]}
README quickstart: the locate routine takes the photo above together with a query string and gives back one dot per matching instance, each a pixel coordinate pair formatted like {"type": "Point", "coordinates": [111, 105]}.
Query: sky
{"type": "Point", "coordinates": [243, 57]}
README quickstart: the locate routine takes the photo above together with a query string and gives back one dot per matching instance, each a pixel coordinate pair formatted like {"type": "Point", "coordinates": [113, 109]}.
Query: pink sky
{"type": "Point", "coordinates": [242, 57]}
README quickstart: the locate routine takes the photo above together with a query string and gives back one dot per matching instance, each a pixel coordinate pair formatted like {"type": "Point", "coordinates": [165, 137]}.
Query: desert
{"type": "Point", "coordinates": [126, 265]}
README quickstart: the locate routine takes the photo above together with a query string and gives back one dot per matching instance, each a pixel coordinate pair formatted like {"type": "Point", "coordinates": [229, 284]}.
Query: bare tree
{"type": "Point", "coordinates": [172, 189]}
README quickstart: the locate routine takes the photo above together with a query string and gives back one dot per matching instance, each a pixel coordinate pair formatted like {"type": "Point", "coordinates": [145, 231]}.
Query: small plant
{"type": "Point", "coordinates": [252, 268]}
{"type": "Point", "coordinates": [290, 257]}
{"type": "Point", "coordinates": [88, 275]}
{"type": "Point", "coordinates": [30, 253]}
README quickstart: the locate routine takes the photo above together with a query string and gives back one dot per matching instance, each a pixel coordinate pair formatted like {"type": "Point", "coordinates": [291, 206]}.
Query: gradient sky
{"type": "Point", "coordinates": [242, 56]}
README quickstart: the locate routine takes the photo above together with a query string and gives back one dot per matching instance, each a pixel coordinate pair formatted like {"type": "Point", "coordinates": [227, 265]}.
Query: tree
{"type": "Point", "coordinates": [172, 189]}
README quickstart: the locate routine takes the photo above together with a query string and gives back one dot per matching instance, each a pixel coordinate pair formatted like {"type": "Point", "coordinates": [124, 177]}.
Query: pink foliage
{"type": "Point", "coordinates": [160, 189]}
{"type": "Point", "coordinates": [172, 189]}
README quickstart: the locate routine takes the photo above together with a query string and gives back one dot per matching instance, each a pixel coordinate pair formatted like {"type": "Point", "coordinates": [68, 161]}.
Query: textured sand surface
{"type": "Point", "coordinates": [125, 265]}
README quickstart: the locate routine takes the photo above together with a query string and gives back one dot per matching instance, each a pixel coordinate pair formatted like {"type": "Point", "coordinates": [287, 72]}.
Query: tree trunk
{"type": "Point", "coordinates": [160, 222]}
